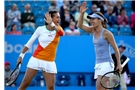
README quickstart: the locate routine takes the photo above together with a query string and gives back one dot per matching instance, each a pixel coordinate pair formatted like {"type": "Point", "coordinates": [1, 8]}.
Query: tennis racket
{"type": "Point", "coordinates": [114, 78]}
{"type": "Point", "coordinates": [14, 75]}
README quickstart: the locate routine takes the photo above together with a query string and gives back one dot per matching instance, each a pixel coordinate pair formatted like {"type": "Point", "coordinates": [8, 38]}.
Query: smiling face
{"type": "Point", "coordinates": [95, 22]}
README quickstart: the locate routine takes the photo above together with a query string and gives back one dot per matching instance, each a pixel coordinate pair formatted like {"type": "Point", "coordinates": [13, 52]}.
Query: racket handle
{"type": "Point", "coordinates": [18, 65]}
{"type": "Point", "coordinates": [125, 62]}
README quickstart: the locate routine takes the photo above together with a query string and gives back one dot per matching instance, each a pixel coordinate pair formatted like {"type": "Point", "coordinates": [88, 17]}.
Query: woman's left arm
{"type": "Point", "coordinates": [110, 38]}
{"type": "Point", "coordinates": [59, 30]}
{"type": "Point", "coordinates": [48, 20]}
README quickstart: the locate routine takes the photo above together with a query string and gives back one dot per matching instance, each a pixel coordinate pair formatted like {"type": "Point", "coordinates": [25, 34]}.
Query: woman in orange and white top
{"type": "Point", "coordinates": [44, 56]}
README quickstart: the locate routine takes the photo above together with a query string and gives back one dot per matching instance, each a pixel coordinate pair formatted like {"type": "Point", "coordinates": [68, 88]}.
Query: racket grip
{"type": "Point", "coordinates": [125, 62]}
{"type": "Point", "coordinates": [18, 65]}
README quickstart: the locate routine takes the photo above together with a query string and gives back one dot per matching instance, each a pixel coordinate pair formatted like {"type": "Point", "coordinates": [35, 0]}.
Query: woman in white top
{"type": "Point", "coordinates": [43, 57]}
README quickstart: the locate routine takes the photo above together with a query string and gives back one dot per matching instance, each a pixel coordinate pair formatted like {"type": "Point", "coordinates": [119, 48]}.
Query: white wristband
{"type": "Point", "coordinates": [52, 24]}
{"type": "Point", "coordinates": [22, 55]}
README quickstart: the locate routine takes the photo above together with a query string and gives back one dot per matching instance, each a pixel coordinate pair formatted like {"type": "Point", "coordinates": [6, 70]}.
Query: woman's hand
{"type": "Point", "coordinates": [19, 60]}
{"type": "Point", "coordinates": [119, 67]}
{"type": "Point", "coordinates": [48, 18]}
{"type": "Point", "coordinates": [83, 7]}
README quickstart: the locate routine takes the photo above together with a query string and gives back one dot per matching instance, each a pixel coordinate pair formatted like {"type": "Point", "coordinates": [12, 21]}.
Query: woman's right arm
{"type": "Point", "coordinates": [28, 45]}
{"type": "Point", "coordinates": [80, 20]}
{"type": "Point", "coordinates": [80, 24]}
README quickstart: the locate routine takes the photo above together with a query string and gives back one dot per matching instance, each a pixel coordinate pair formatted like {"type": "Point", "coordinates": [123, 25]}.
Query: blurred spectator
{"type": "Point", "coordinates": [132, 18]}
{"type": "Point", "coordinates": [14, 30]}
{"type": "Point", "coordinates": [133, 5]}
{"type": "Point", "coordinates": [59, 3]}
{"type": "Point", "coordinates": [71, 30]}
{"type": "Point", "coordinates": [14, 16]}
{"type": "Point", "coordinates": [102, 7]}
{"type": "Point", "coordinates": [132, 22]}
{"type": "Point", "coordinates": [97, 2]}
{"type": "Point", "coordinates": [114, 2]}
{"type": "Point", "coordinates": [5, 19]}
{"type": "Point", "coordinates": [64, 6]}
{"type": "Point", "coordinates": [66, 18]}
{"type": "Point", "coordinates": [53, 6]}
{"type": "Point", "coordinates": [94, 9]}
{"type": "Point", "coordinates": [8, 72]}
{"type": "Point", "coordinates": [110, 17]}
{"type": "Point", "coordinates": [74, 6]}
{"type": "Point", "coordinates": [118, 7]}
{"type": "Point", "coordinates": [85, 21]}
{"type": "Point", "coordinates": [27, 17]}
{"type": "Point", "coordinates": [122, 19]}
{"type": "Point", "coordinates": [6, 29]}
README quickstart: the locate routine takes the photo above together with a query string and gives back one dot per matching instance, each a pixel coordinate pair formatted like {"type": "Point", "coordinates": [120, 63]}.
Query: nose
{"type": "Point", "coordinates": [91, 20]}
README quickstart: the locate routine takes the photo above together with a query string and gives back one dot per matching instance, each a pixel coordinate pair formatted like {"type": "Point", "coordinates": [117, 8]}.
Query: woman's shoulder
{"type": "Point", "coordinates": [60, 27]}
{"type": "Point", "coordinates": [107, 32]}
{"type": "Point", "coordinates": [41, 27]}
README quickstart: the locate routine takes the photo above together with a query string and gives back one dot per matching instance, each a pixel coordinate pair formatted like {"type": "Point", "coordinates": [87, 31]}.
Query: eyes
{"type": "Point", "coordinates": [93, 19]}
{"type": "Point", "coordinates": [56, 16]}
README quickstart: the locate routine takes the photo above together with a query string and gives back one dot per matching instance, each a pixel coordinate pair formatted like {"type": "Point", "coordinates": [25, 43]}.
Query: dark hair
{"type": "Point", "coordinates": [52, 15]}
{"type": "Point", "coordinates": [121, 46]}
{"type": "Point", "coordinates": [122, 9]}
{"type": "Point", "coordinates": [12, 26]}
{"type": "Point", "coordinates": [105, 20]}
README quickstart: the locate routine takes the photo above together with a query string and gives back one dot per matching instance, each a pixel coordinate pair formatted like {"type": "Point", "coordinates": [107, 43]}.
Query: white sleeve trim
{"type": "Point", "coordinates": [33, 38]}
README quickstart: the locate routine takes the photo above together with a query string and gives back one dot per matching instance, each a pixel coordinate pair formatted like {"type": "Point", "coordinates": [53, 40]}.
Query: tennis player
{"type": "Point", "coordinates": [44, 56]}
{"type": "Point", "coordinates": [102, 39]}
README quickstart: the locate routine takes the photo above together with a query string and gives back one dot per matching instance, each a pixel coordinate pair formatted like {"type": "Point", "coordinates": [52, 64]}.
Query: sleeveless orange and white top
{"type": "Point", "coordinates": [47, 43]}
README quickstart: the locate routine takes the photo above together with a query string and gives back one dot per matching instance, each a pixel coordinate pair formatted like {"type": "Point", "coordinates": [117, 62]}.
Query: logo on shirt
{"type": "Point", "coordinates": [49, 35]}
{"type": "Point", "coordinates": [95, 40]}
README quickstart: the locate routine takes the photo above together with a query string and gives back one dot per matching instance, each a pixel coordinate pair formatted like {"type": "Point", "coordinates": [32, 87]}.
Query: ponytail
{"type": "Point", "coordinates": [104, 23]}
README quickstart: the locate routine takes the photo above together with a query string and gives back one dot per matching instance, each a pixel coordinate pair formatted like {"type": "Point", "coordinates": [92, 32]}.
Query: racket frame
{"type": "Point", "coordinates": [113, 72]}
{"type": "Point", "coordinates": [17, 67]}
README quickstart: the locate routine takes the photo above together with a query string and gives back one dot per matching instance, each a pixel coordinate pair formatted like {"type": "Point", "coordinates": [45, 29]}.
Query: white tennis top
{"type": "Point", "coordinates": [47, 43]}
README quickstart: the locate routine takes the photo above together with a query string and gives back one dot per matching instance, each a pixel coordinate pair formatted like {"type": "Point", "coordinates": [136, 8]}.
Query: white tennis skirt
{"type": "Point", "coordinates": [102, 68]}
{"type": "Point", "coordinates": [38, 64]}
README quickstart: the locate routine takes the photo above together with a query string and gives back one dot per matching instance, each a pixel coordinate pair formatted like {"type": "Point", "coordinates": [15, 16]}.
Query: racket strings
{"type": "Point", "coordinates": [113, 81]}
{"type": "Point", "coordinates": [13, 77]}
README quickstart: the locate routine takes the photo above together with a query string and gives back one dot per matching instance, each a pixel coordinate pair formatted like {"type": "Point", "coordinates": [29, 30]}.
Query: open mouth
{"type": "Point", "coordinates": [93, 23]}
